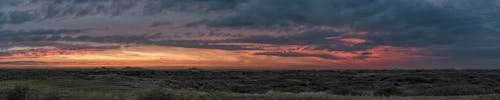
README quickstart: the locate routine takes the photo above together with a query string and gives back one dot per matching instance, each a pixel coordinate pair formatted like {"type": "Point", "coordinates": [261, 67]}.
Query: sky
{"type": "Point", "coordinates": [251, 34]}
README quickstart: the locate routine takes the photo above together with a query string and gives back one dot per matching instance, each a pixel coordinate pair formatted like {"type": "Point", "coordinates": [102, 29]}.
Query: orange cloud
{"type": "Point", "coordinates": [354, 40]}
{"type": "Point", "coordinates": [161, 56]}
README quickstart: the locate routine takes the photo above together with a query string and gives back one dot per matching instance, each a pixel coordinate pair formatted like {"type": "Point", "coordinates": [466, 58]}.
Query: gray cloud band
{"type": "Point", "coordinates": [449, 28]}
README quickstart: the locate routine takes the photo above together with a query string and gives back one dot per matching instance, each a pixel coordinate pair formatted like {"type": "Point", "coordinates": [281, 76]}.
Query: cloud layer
{"type": "Point", "coordinates": [427, 32]}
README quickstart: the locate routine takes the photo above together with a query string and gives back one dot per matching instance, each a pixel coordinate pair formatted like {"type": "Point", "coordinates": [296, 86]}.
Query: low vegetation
{"type": "Point", "coordinates": [198, 84]}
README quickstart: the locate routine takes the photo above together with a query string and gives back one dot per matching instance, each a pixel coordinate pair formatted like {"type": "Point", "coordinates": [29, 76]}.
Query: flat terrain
{"type": "Point", "coordinates": [197, 84]}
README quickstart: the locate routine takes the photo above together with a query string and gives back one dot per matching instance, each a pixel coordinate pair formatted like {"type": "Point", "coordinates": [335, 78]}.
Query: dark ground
{"type": "Point", "coordinates": [337, 82]}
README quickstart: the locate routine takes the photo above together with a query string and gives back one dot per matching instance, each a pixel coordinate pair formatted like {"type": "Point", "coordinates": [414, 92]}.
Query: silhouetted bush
{"type": "Point", "coordinates": [50, 96]}
{"type": "Point", "coordinates": [296, 89]}
{"type": "Point", "coordinates": [191, 95]}
{"type": "Point", "coordinates": [157, 95]}
{"type": "Point", "coordinates": [388, 91]}
{"type": "Point", "coordinates": [457, 90]}
{"type": "Point", "coordinates": [19, 92]}
{"type": "Point", "coordinates": [417, 79]}
{"type": "Point", "coordinates": [245, 89]}
{"type": "Point", "coordinates": [345, 91]}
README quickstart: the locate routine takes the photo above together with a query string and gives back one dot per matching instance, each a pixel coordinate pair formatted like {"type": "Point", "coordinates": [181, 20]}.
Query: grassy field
{"type": "Point", "coordinates": [195, 84]}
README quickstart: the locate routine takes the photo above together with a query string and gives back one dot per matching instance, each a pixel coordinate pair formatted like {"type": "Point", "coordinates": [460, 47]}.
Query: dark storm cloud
{"type": "Point", "coordinates": [487, 52]}
{"type": "Point", "coordinates": [59, 8]}
{"type": "Point", "coordinates": [305, 38]}
{"type": "Point", "coordinates": [3, 18]}
{"type": "Point", "coordinates": [364, 55]}
{"type": "Point", "coordinates": [392, 22]}
{"type": "Point", "coordinates": [6, 33]}
{"type": "Point", "coordinates": [50, 37]}
{"type": "Point", "coordinates": [458, 29]}
{"type": "Point", "coordinates": [318, 38]}
{"type": "Point", "coordinates": [16, 17]}
{"type": "Point", "coordinates": [38, 46]}
{"type": "Point", "coordinates": [42, 38]}
{"type": "Point", "coordinates": [459, 52]}
{"type": "Point", "coordinates": [310, 38]}
{"type": "Point", "coordinates": [204, 45]}
{"type": "Point", "coordinates": [149, 40]}
{"type": "Point", "coordinates": [400, 23]}
{"type": "Point", "coordinates": [8, 44]}
{"type": "Point", "coordinates": [8, 3]}
{"type": "Point", "coordinates": [298, 54]}
{"type": "Point", "coordinates": [47, 9]}
{"type": "Point", "coordinates": [23, 63]}
{"type": "Point", "coordinates": [158, 6]}
{"type": "Point", "coordinates": [64, 46]}
{"type": "Point", "coordinates": [160, 23]}
{"type": "Point", "coordinates": [34, 35]}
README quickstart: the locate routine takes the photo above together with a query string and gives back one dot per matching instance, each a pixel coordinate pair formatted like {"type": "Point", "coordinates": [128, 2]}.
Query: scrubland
{"type": "Point", "coordinates": [197, 84]}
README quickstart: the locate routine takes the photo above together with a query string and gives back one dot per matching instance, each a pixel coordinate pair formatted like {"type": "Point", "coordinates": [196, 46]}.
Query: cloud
{"type": "Point", "coordinates": [149, 40]}
{"type": "Point", "coordinates": [459, 52]}
{"type": "Point", "coordinates": [17, 17]}
{"type": "Point", "coordinates": [398, 23]}
{"type": "Point", "coordinates": [157, 24]}
{"type": "Point", "coordinates": [158, 6]}
{"type": "Point", "coordinates": [458, 29]}
{"type": "Point", "coordinates": [25, 51]}
{"type": "Point", "coordinates": [4, 3]}
{"type": "Point", "coordinates": [305, 38]}
{"type": "Point", "coordinates": [23, 63]}
{"type": "Point", "coordinates": [364, 55]}
{"type": "Point", "coordinates": [298, 54]}
{"type": "Point", "coordinates": [5, 33]}
{"type": "Point", "coordinates": [35, 43]}
{"type": "Point", "coordinates": [35, 35]}
{"type": "Point", "coordinates": [18, 12]}
{"type": "Point", "coordinates": [317, 38]}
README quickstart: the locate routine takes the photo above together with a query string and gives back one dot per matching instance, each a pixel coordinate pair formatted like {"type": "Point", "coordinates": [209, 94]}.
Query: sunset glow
{"type": "Point", "coordinates": [315, 34]}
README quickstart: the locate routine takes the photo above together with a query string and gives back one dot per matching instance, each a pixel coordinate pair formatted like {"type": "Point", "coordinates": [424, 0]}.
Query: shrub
{"type": "Point", "coordinates": [457, 90]}
{"type": "Point", "coordinates": [191, 95]}
{"type": "Point", "coordinates": [157, 95]}
{"type": "Point", "coordinates": [246, 89]}
{"type": "Point", "coordinates": [417, 79]}
{"type": "Point", "coordinates": [388, 91]}
{"type": "Point", "coordinates": [345, 91]}
{"type": "Point", "coordinates": [19, 92]}
{"type": "Point", "coordinates": [296, 89]}
{"type": "Point", "coordinates": [51, 96]}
